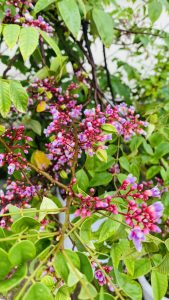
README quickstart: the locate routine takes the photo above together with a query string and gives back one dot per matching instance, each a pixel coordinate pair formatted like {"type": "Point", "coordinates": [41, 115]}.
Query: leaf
{"type": "Point", "coordinates": [22, 252]}
{"type": "Point", "coordinates": [11, 34]}
{"type": "Point", "coordinates": [5, 265]}
{"type": "Point", "coordinates": [102, 155]}
{"type": "Point", "coordinates": [74, 276]}
{"type": "Point", "coordinates": [28, 41]}
{"type": "Point", "coordinates": [141, 267]}
{"type": "Point", "coordinates": [104, 25]}
{"type": "Point", "coordinates": [8, 284]}
{"type": "Point", "coordinates": [5, 101]}
{"type": "Point", "coordinates": [101, 179]}
{"type": "Point", "coordinates": [38, 291]}
{"type": "Point", "coordinates": [109, 228]}
{"type": "Point", "coordinates": [61, 264]}
{"type": "Point", "coordinates": [63, 294]}
{"type": "Point", "coordinates": [71, 16]}
{"type": "Point", "coordinates": [129, 286]}
{"type": "Point", "coordinates": [85, 266]}
{"type": "Point", "coordinates": [87, 292]}
{"type": "Point", "coordinates": [152, 171]}
{"type": "Point", "coordinates": [25, 223]}
{"type": "Point", "coordinates": [34, 125]}
{"type": "Point", "coordinates": [161, 150]}
{"type": "Point", "coordinates": [109, 128]}
{"type": "Point", "coordinates": [18, 96]}
{"type": "Point", "coordinates": [40, 160]}
{"type": "Point", "coordinates": [41, 106]}
{"type": "Point", "coordinates": [117, 250]}
{"type": "Point", "coordinates": [42, 4]}
{"type": "Point", "coordinates": [154, 10]}
{"type": "Point", "coordinates": [47, 204]}
{"type": "Point", "coordinates": [82, 179]}
{"type": "Point", "coordinates": [124, 163]}
{"type": "Point", "coordinates": [51, 42]}
{"type": "Point", "coordinates": [104, 296]}
{"type": "Point", "coordinates": [163, 267]}
{"type": "Point", "coordinates": [159, 283]}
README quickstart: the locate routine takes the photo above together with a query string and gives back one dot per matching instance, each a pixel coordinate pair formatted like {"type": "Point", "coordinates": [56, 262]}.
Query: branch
{"type": "Point", "coordinates": [108, 74]}
{"type": "Point", "coordinates": [131, 31]}
{"type": "Point", "coordinates": [10, 64]}
{"type": "Point", "coordinates": [45, 174]}
{"type": "Point", "coordinates": [42, 50]}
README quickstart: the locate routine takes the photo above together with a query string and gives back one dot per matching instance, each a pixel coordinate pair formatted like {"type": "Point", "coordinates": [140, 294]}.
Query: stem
{"type": "Point", "coordinates": [108, 74]}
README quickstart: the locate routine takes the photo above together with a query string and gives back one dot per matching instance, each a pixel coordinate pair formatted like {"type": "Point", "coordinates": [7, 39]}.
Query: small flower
{"type": "Point", "coordinates": [131, 179]}
{"type": "Point", "coordinates": [137, 236]}
{"type": "Point", "coordinates": [11, 168]}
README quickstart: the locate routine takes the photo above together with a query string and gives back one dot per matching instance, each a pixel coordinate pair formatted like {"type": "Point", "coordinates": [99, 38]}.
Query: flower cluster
{"type": "Point", "coordinates": [141, 218]}
{"type": "Point", "coordinates": [70, 126]}
{"type": "Point", "coordinates": [19, 193]}
{"type": "Point", "coordinates": [92, 203]}
{"type": "Point", "coordinates": [124, 119]}
{"type": "Point", "coordinates": [99, 275]}
{"type": "Point", "coordinates": [44, 90]}
{"type": "Point", "coordinates": [17, 144]}
{"type": "Point", "coordinates": [24, 17]}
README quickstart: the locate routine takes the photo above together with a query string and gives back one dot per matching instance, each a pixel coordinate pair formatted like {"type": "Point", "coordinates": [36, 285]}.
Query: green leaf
{"type": "Point", "coordinates": [102, 155]}
{"type": "Point", "coordinates": [117, 250]}
{"type": "Point", "coordinates": [11, 34]}
{"type": "Point", "coordinates": [159, 283]}
{"type": "Point", "coordinates": [18, 96]}
{"type": "Point", "coordinates": [163, 267]}
{"type": "Point", "coordinates": [109, 228]}
{"type": "Point", "coordinates": [104, 25]}
{"type": "Point", "coordinates": [38, 291]}
{"type": "Point", "coordinates": [129, 286]}
{"type": "Point", "coordinates": [152, 171]}
{"type": "Point", "coordinates": [47, 204]}
{"type": "Point", "coordinates": [22, 252]}
{"type": "Point", "coordinates": [70, 14]}
{"type": "Point", "coordinates": [74, 276]}
{"type": "Point", "coordinates": [5, 101]}
{"type": "Point", "coordinates": [8, 284]}
{"type": "Point", "coordinates": [28, 41]}
{"type": "Point", "coordinates": [82, 179]}
{"type": "Point", "coordinates": [154, 10]}
{"type": "Point", "coordinates": [85, 266]}
{"type": "Point", "coordinates": [48, 281]}
{"type": "Point", "coordinates": [51, 42]}
{"type": "Point", "coordinates": [5, 265]}
{"type": "Point", "coordinates": [109, 128]}
{"type": "Point", "coordinates": [104, 296]}
{"type": "Point", "coordinates": [141, 267]}
{"type": "Point", "coordinates": [42, 4]}
{"type": "Point", "coordinates": [34, 125]}
{"type": "Point", "coordinates": [101, 179]}
{"type": "Point", "coordinates": [161, 150]}
{"type": "Point", "coordinates": [124, 163]}
{"type": "Point", "coordinates": [63, 294]}
{"type": "Point", "coordinates": [87, 292]}
{"type": "Point", "coordinates": [24, 223]}
{"type": "Point", "coordinates": [61, 265]}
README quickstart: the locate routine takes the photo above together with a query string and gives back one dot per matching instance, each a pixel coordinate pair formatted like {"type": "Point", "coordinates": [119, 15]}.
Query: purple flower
{"type": "Point", "coordinates": [100, 277]}
{"type": "Point", "coordinates": [11, 168]}
{"type": "Point", "coordinates": [131, 179]}
{"type": "Point", "coordinates": [157, 208]}
{"type": "Point", "coordinates": [155, 192]}
{"type": "Point", "coordinates": [137, 236]}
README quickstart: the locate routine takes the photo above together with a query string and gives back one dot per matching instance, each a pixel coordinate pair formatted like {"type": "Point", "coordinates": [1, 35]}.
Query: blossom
{"type": "Point", "coordinates": [137, 236]}
{"type": "Point", "coordinates": [11, 168]}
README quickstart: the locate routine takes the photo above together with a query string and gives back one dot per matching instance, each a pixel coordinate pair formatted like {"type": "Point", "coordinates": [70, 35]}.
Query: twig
{"type": "Point", "coordinates": [10, 64]}
{"type": "Point", "coordinates": [108, 73]}
{"type": "Point", "coordinates": [42, 50]}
